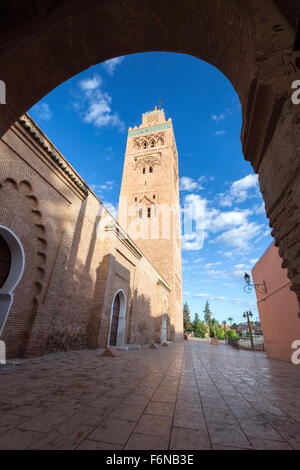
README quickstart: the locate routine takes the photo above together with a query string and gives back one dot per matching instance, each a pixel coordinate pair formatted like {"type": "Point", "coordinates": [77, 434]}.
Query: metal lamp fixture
{"type": "Point", "coordinates": [261, 288]}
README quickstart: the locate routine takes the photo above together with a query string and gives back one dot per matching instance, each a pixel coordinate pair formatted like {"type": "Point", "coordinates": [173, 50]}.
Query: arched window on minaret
{"type": "Point", "coordinates": [145, 145]}
{"type": "Point", "coordinates": [152, 143]}
{"type": "Point", "coordinates": [149, 211]}
{"type": "Point", "coordinates": [150, 169]}
{"type": "Point", "coordinates": [144, 171]}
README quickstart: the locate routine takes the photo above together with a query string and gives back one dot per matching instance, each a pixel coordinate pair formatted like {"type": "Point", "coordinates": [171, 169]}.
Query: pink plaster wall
{"type": "Point", "coordinates": [278, 310]}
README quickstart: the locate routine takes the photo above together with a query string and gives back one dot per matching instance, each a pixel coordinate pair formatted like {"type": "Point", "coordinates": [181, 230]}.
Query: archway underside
{"type": "Point", "coordinates": [45, 43]}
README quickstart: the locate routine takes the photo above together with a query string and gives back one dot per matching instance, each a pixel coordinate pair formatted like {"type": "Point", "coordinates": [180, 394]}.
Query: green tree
{"type": "Point", "coordinates": [207, 313]}
{"type": "Point", "coordinates": [230, 319]}
{"type": "Point", "coordinates": [220, 333]}
{"type": "Point", "coordinates": [213, 326]}
{"type": "Point", "coordinates": [187, 324]}
{"type": "Point", "coordinates": [199, 327]}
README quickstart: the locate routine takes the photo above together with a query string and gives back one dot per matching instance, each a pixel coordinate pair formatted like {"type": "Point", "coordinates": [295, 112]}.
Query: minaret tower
{"type": "Point", "coordinates": [149, 203]}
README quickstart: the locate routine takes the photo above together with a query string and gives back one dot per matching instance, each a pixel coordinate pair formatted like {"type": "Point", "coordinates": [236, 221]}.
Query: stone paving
{"type": "Point", "coordinates": [191, 395]}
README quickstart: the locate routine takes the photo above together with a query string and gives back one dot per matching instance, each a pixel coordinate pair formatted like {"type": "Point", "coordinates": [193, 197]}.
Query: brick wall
{"type": "Point", "coordinates": [76, 259]}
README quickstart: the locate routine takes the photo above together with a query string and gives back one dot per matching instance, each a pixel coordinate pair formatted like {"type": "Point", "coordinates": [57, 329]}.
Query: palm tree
{"type": "Point", "coordinates": [248, 315]}
{"type": "Point", "coordinates": [214, 324]}
{"type": "Point", "coordinates": [230, 319]}
{"type": "Point", "coordinates": [224, 323]}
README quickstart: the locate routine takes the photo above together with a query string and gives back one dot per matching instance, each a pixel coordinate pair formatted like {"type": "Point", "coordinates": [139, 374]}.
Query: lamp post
{"type": "Point", "coordinates": [262, 288]}
{"type": "Point", "coordinates": [247, 315]}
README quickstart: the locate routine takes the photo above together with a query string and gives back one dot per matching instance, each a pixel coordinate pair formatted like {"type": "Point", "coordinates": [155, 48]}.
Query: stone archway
{"type": "Point", "coordinates": [15, 260]}
{"type": "Point", "coordinates": [117, 320]}
{"type": "Point", "coordinates": [251, 42]}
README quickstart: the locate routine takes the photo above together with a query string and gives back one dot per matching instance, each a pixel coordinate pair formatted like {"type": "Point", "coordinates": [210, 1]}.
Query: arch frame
{"type": "Point", "coordinates": [122, 318]}
{"type": "Point", "coordinates": [15, 273]}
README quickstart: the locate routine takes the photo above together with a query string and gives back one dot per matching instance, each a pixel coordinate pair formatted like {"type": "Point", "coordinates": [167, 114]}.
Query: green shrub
{"type": "Point", "coordinates": [232, 334]}
{"type": "Point", "coordinates": [220, 334]}
{"type": "Point", "coordinates": [221, 337]}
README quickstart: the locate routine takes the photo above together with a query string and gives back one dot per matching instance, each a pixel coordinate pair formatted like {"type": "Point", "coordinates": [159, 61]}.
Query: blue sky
{"type": "Point", "coordinates": [87, 118]}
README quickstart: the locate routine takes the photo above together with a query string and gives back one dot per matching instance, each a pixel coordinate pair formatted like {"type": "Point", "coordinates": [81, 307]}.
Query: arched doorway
{"type": "Point", "coordinates": [117, 320]}
{"type": "Point", "coordinates": [164, 328]}
{"type": "Point", "coordinates": [12, 261]}
{"type": "Point", "coordinates": [5, 261]}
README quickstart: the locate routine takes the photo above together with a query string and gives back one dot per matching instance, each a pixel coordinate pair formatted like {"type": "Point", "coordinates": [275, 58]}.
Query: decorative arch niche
{"type": "Point", "coordinates": [16, 262]}
{"type": "Point", "coordinates": [116, 338]}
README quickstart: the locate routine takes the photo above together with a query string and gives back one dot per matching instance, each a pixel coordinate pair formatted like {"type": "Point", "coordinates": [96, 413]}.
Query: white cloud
{"type": "Point", "coordinates": [95, 105]}
{"type": "Point", "coordinates": [90, 83]}
{"type": "Point", "coordinates": [239, 302]}
{"type": "Point", "coordinates": [108, 185]}
{"type": "Point", "coordinates": [186, 294]}
{"type": "Point", "coordinates": [224, 220]}
{"type": "Point", "coordinates": [189, 184]}
{"type": "Point", "coordinates": [99, 189]}
{"type": "Point", "coordinates": [218, 133]}
{"type": "Point", "coordinates": [225, 200]}
{"type": "Point", "coordinates": [190, 242]}
{"type": "Point", "coordinates": [260, 209]}
{"type": "Point", "coordinates": [222, 116]}
{"type": "Point", "coordinates": [201, 220]}
{"type": "Point", "coordinates": [241, 237]}
{"type": "Point", "coordinates": [110, 65]}
{"type": "Point", "coordinates": [42, 111]}
{"type": "Point", "coordinates": [210, 265]}
{"type": "Point", "coordinates": [241, 190]}
{"type": "Point", "coordinates": [112, 208]}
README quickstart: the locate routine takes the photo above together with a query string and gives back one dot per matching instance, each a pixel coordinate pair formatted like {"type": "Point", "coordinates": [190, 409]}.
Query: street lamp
{"type": "Point", "coordinates": [247, 315]}
{"type": "Point", "coordinates": [261, 288]}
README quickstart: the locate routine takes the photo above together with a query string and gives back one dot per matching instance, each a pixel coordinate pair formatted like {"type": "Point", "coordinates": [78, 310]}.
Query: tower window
{"type": "Point", "coordinates": [135, 199]}
{"type": "Point", "coordinates": [152, 143]}
{"type": "Point", "coordinates": [153, 196]}
{"type": "Point", "coordinates": [149, 211]}
{"type": "Point", "coordinates": [145, 145]}
{"type": "Point", "coordinates": [150, 169]}
{"type": "Point", "coordinates": [144, 171]}
{"type": "Point", "coordinates": [140, 213]}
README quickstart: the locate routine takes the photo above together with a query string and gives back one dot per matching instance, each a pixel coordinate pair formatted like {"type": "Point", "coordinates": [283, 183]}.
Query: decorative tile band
{"type": "Point", "coordinates": [159, 127]}
{"type": "Point", "coordinates": [53, 156]}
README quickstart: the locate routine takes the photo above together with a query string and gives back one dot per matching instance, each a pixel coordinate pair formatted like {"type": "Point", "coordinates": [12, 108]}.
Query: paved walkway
{"type": "Point", "coordinates": [187, 396]}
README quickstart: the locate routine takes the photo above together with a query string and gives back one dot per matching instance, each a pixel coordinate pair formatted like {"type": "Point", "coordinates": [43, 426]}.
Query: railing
{"type": "Point", "coordinates": [245, 343]}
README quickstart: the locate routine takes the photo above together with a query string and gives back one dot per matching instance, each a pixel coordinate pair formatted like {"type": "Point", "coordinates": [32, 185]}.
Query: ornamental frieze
{"type": "Point", "coordinates": [148, 160]}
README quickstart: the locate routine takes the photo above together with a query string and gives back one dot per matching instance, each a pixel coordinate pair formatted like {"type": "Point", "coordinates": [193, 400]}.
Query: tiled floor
{"type": "Point", "coordinates": [190, 395]}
